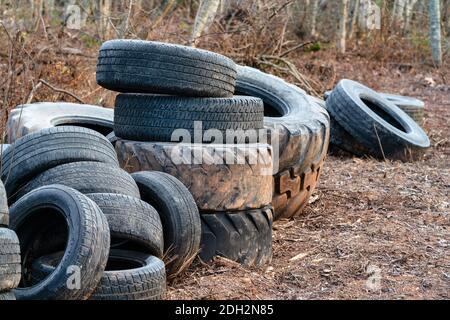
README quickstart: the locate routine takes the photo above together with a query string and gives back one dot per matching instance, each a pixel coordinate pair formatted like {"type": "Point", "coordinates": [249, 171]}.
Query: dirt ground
{"type": "Point", "coordinates": [374, 229]}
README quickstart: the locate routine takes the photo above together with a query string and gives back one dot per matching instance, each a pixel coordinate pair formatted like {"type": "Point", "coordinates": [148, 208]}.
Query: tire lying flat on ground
{"type": "Point", "coordinates": [245, 237]}
{"type": "Point", "coordinates": [86, 177]}
{"type": "Point", "coordinates": [303, 129]}
{"type": "Point", "coordinates": [132, 220]}
{"type": "Point", "coordinates": [29, 118]}
{"type": "Point", "coordinates": [4, 210]}
{"type": "Point", "coordinates": [220, 177]}
{"type": "Point", "coordinates": [179, 216]}
{"type": "Point", "coordinates": [155, 118]}
{"type": "Point", "coordinates": [86, 248]}
{"type": "Point", "coordinates": [128, 276]}
{"type": "Point", "coordinates": [380, 127]}
{"type": "Point", "coordinates": [9, 260]}
{"type": "Point", "coordinates": [37, 152]}
{"type": "Point", "coordinates": [153, 67]}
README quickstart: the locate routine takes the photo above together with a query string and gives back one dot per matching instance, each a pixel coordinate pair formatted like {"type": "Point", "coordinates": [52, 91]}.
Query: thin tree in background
{"type": "Point", "coordinates": [434, 16]}
{"type": "Point", "coordinates": [342, 30]}
{"type": "Point", "coordinates": [205, 16]}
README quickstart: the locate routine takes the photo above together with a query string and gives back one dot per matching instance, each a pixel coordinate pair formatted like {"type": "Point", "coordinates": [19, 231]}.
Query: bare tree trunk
{"type": "Point", "coordinates": [105, 13]}
{"type": "Point", "coordinates": [354, 20]}
{"type": "Point", "coordinates": [435, 31]}
{"type": "Point", "coordinates": [314, 12]}
{"type": "Point", "coordinates": [205, 16]}
{"type": "Point", "coordinates": [342, 30]}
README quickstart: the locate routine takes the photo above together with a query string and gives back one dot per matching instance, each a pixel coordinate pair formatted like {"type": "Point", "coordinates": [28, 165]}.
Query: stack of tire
{"type": "Point", "coordinates": [167, 87]}
{"type": "Point", "coordinates": [9, 252]}
{"type": "Point", "coordinates": [84, 232]}
{"type": "Point", "coordinates": [366, 123]}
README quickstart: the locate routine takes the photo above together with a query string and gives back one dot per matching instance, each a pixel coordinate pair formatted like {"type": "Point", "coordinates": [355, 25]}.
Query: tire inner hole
{"type": "Point", "coordinates": [44, 232]}
{"type": "Point", "coordinates": [383, 114]}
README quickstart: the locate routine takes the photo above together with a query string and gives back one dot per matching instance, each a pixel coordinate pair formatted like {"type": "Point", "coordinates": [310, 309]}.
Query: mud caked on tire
{"type": "Point", "coordinates": [155, 118]}
{"type": "Point", "coordinates": [245, 237]}
{"type": "Point", "coordinates": [29, 118]}
{"type": "Point", "coordinates": [132, 222]}
{"type": "Point", "coordinates": [302, 128]}
{"type": "Point", "coordinates": [221, 177]}
{"type": "Point", "coordinates": [128, 275]}
{"type": "Point", "coordinates": [152, 67]}
{"type": "Point", "coordinates": [373, 124]}
{"type": "Point", "coordinates": [10, 270]}
{"type": "Point", "coordinates": [179, 216]}
{"type": "Point", "coordinates": [37, 152]}
{"type": "Point", "coordinates": [86, 177]}
{"type": "Point", "coordinates": [86, 241]}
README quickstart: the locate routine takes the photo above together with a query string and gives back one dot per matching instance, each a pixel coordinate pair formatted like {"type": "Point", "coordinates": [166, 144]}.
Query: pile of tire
{"type": "Point", "coordinates": [84, 233]}
{"type": "Point", "coordinates": [166, 87]}
{"type": "Point", "coordinates": [366, 123]}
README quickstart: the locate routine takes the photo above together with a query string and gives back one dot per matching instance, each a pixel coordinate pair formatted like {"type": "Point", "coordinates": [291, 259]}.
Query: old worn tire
{"type": "Point", "coordinates": [37, 152]}
{"type": "Point", "coordinates": [411, 106]}
{"type": "Point", "coordinates": [303, 130]}
{"type": "Point", "coordinates": [4, 210]}
{"type": "Point", "coordinates": [152, 67]}
{"type": "Point", "coordinates": [7, 296]}
{"type": "Point", "coordinates": [28, 118]}
{"type": "Point", "coordinates": [243, 236]}
{"type": "Point", "coordinates": [155, 118]}
{"type": "Point", "coordinates": [216, 181]}
{"type": "Point", "coordinates": [87, 241]}
{"type": "Point", "coordinates": [179, 216]}
{"type": "Point", "coordinates": [86, 177]}
{"type": "Point", "coordinates": [380, 127]}
{"type": "Point", "coordinates": [132, 220]}
{"type": "Point", "coordinates": [129, 275]}
{"type": "Point", "coordinates": [9, 260]}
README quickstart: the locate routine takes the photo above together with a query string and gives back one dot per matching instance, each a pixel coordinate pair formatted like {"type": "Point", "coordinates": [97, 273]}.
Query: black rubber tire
{"type": "Point", "coordinates": [28, 118]}
{"type": "Point", "coordinates": [7, 296]}
{"type": "Point", "coordinates": [411, 106]}
{"type": "Point", "coordinates": [372, 120]}
{"type": "Point", "coordinates": [88, 241]}
{"type": "Point", "coordinates": [86, 177]}
{"type": "Point", "coordinates": [245, 237]}
{"type": "Point", "coordinates": [146, 282]}
{"type": "Point", "coordinates": [152, 67]}
{"type": "Point", "coordinates": [303, 128]}
{"type": "Point", "coordinates": [132, 220]}
{"type": "Point", "coordinates": [179, 216]}
{"type": "Point", "coordinates": [4, 209]}
{"type": "Point", "coordinates": [10, 270]}
{"type": "Point", "coordinates": [155, 118]}
{"type": "Point", "coordinates": [37, 152]}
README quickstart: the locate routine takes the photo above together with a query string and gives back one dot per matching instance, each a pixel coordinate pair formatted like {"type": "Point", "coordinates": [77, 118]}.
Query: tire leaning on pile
{"type": "Point", "coordinates": [36, 215]}
{"type": "Point", "coordinates": [37, 152]}
{"type": "Point", "coordinates": [304, 130]}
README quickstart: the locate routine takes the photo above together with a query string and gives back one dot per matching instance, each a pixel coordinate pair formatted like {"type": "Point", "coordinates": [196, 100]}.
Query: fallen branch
{"type": "Point", "coordinates": [61, 91]}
